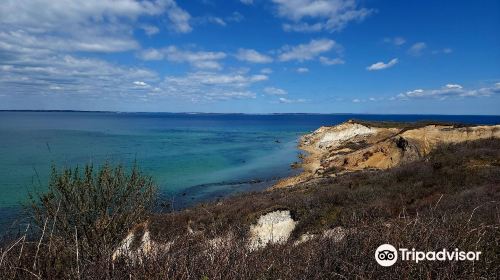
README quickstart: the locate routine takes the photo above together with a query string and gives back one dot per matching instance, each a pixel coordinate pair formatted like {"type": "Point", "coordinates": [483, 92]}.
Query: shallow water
{"type": "Point", "coordinates": [192, 157]}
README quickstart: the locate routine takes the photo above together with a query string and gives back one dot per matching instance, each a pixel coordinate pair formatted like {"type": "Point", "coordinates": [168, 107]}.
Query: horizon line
{"type": "Point", "coordinates": [226, 113]}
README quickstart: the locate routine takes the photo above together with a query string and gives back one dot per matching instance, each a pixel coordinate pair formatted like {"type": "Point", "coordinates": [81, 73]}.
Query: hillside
{"type": "Point", "coordinates": [440, 190]}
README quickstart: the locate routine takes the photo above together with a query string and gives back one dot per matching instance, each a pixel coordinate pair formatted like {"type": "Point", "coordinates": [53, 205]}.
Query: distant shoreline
{"type": "Point", "coordinates": [234, 113]}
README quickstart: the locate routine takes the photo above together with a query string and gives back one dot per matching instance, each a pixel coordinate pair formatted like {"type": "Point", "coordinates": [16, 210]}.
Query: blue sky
{"type": "Point", "coordinates": [260, 56]}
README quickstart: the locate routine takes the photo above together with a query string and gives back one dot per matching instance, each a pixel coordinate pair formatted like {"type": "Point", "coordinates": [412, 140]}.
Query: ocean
{"type": "Point", "coordinates": [192, 157]}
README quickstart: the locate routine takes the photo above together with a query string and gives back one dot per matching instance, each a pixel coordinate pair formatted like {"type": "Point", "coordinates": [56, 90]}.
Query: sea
{"type": "Point", "coordinates": [192, 157]}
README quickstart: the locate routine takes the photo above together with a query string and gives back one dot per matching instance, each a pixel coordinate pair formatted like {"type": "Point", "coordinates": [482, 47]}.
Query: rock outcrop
{"type": "Point", "coordinates": [271, 228]}
{"type": "Point", "coordinates": [139, 244]}
{"type": "Point", "coordinates": [353, 146]}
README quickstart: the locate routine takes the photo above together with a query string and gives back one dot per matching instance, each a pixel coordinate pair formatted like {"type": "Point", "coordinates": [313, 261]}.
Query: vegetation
{"type": "Point", "coordinates": [89, 211]}
{"type": "Point", "coordinates": [409, 125]}
{"type": "Point", "coordinates": [450, 199]}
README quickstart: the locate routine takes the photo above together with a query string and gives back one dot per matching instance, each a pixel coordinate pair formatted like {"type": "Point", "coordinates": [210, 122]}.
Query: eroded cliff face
{"type": "Point", "coordinates": [353, 146]}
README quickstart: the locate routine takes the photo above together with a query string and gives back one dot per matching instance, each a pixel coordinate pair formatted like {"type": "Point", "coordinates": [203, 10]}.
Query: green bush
{"type": "Point", "coordinates": [93, 208]}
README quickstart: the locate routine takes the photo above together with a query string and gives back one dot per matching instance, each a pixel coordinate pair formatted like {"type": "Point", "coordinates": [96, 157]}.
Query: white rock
{"type": "Point", "coordinates": [272, 228]}
{"type": "Point", "coordinates": [147, 247]}
{"type": "Point", "coordinates": [342, 133]}
{"type": "Point", "coordinates": [304, 238]}
{"type": "Point", "coordinates": [124, 249]}
{"type": "Point", "coordinates": [220, 242]}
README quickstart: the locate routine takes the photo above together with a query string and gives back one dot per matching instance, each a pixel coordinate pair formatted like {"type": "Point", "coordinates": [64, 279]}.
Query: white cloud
{"type": "Point", "coordinates": [303, 27]}
{"type": "Point", "coordinates": [275, 91]}
{"type": "Point", "coordinates": [417, 48]}
{"type": "Point", "coordinates": [453, 86]}
{"type": "Point", "coordinates": [71, 77]}
{"type": "Point", "coordinates": [318, 15]}
{"type": "Point", "coordinates": [215, 79]}
{"type": "Point", "coordinates": [55, 87]}
{"type": "Point", "coordinates": [37, 38]}
{"type": "Point", "coordinates": [235, 17]}
{"type": "Point", "coordinates": [302, 70]}
{"type": "Point", "coordinates": [247, 2]}
{"type": "Point", "coordinates": [178, 17]}
{"type": "Point", "coordinates": [216, 20]}
{"type": "Point", "coordinates": [92, 25]}
{"type": "Point", "coordinates": [450, 91]}
{"type": "Point", "coordinates": [397, 41]}
{"type": "Point", "coordinates": [369, 99]}
{"type": "Point", "coordinates": [307, 51]}
{"type": "Point", "coordinates": [141, 84]}
{"type": "Point", "coordinates": [197, 59]}
{"type": "Point", "coordinates": [209, 86]}
{"type": "Point", "coordinates": [28, 13]}
{"type": "Point", "coordinates": [328, 61]}
{"type": "Point", "coordinates": [415, 93]}
{"type": "Point", "coordinates": [150, 29]}
{"type": "Point", "coordinates": [443, 51]}
{"type": "Point", "coordinates": [259, 78]}
{"type": "Point", "coordinates": [221, 21]}
{"type": "Point", "coordinates": [288, 101]}
{"type": "Point", "coordinates": [252, 56]}
{"type": "Point", "coordinates": [381, 65]}
{"type": "Point", "coordinates": [152, 54]}
{"type": "Point", "coordinates": [21, 41]}
{"type": "Point", "coordinates": [266, 71]}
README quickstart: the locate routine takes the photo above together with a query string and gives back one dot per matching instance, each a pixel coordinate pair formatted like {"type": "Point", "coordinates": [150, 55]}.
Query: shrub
{"type": "Point", "coordinates": [93, 208]}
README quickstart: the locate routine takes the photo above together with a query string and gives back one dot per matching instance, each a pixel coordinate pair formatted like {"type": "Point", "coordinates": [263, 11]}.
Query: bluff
{"type": "Point", "coordinates": [359, 145]}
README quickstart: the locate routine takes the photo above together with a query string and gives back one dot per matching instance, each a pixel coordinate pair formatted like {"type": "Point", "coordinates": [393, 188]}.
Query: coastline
{"type": "Point", "coordinates": [309, 162]}
{"type": "Point", "coordinates": [394, 175]}
{"type": "Point", "coordinates": [331, 150]}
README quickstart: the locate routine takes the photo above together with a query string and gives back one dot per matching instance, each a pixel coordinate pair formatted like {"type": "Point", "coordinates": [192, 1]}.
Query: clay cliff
{"type": "Point", "coordinates": [359, 145]}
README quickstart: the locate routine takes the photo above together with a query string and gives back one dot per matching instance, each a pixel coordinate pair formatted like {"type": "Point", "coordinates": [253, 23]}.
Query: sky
{"type": "Point", "coordinates": [251, 56]}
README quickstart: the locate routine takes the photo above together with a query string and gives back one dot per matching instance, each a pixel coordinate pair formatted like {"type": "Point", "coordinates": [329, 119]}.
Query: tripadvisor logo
{"type": "Point", "coordinates": [387, 255]}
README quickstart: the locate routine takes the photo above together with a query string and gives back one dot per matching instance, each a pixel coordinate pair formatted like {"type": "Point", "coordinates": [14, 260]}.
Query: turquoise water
{"type": "Point", "coordinates": [192, 157]}
{"type": "Point", "coordinates": [179, 154]}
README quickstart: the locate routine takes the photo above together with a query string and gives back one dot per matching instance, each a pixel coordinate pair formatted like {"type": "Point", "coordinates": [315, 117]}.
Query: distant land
{"type": "Point", "coordinates": [234, 113]}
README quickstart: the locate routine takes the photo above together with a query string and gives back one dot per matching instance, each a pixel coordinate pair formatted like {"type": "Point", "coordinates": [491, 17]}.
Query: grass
{"type": "Point", "coordinates": [450, 199]}
{"type": "Point", "coordinates": [409, 125]}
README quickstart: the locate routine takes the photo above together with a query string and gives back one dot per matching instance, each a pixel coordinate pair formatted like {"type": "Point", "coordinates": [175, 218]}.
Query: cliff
{"type": "Point", "coordinates": [358, 145]}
